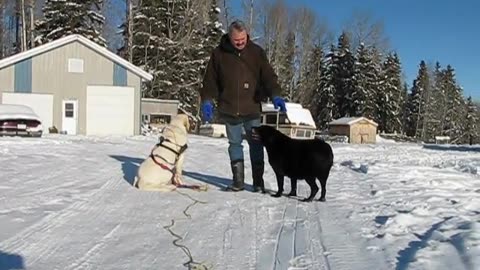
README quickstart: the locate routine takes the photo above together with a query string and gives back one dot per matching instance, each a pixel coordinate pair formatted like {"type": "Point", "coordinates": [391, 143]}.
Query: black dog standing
{"type": "Point", "coordinates": [297, 159]}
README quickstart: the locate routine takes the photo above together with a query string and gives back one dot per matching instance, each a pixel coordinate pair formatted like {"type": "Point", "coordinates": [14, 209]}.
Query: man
{"type": "Point", "coordinates": [237, 76]}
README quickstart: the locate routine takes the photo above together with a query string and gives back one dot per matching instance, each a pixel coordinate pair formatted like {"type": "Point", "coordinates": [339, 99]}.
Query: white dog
{"type": "Point", "coordinates": [162, 170]}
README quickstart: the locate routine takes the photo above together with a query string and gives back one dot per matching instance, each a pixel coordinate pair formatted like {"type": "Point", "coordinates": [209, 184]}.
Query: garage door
{"type": "Point", "coordinates": [42, 105]}
{"type": "Point", "coordinates": [110, 110]}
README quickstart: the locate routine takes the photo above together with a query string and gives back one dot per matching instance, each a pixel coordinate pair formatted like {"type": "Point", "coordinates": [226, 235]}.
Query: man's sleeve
{"type": "Point", "coordinates": [209, 89]}
{"type": "Point", "coordinates": [268, 76]}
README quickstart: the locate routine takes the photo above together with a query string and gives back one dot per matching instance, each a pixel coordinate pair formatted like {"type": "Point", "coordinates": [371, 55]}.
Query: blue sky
{"type": "Point", "coordinates": [444, 31]}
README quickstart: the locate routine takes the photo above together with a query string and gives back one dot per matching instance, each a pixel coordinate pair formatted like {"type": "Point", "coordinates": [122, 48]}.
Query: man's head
{"type": "Point", "coordinates": [237, 32]}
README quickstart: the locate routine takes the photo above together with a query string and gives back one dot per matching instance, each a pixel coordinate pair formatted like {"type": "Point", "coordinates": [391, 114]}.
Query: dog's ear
{"type": "Point", "coordinates": [186, 122]}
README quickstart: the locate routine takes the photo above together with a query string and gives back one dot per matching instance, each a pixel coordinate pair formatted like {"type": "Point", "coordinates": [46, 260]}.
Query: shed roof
{"type": "Point", "coordinates": [83, 40]}
{"type": "Point", "coordinates": [348, 121]}
{"type": "Point", "coordinates": [156, 100]}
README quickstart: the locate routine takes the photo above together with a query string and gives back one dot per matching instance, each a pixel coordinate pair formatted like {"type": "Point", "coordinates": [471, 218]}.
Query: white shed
{"type": "Point", "coordinates": [297, 122]}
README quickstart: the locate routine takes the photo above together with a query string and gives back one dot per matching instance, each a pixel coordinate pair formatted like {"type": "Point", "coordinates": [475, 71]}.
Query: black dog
{"type": "Point", "coordinates": [297, 159]}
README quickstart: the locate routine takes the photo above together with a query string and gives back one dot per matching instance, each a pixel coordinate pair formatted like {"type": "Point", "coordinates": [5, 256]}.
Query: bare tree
{"type": "Point", "coordinates": [323, 35]}
{"type": "Point", "coordinates": [251, 15]}
{"type": "Point", "coordinates": [305, 23]}
{"type": "Point", "coordinates": [2, 27]}
{"type": "Point", "coordinates": [24, 26]}
{"type": "Point", "coordinates": [225, 6]}
{"type": "Point", "coordinates": [275, 29]}
{"type": "Point", "coordinates": [31, 8]}
{"type": "Point", "coordinates": [129, 28]}
{"type": "Point", "coordinates": [38, 5]}
{"type": "Point", "coordinates": [312, 31]}
{"type": "Point", "coordinates": [248, 12]}
{"type": "Point", "coordinates": [363, 28]}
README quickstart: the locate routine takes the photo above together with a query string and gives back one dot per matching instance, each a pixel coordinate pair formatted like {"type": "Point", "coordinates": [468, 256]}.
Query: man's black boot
{"type": "Point", "coordinates": [238, 176]}
{"type": "Point", "coordinates": [257, 175]}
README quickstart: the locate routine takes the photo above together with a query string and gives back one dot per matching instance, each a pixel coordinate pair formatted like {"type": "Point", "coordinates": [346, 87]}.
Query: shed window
{"type": "Point", "coordinates": [75, 65]}
{"type": "Point", "coordinates": [146, 118]}
{"type": "Point", "coordinates": [69, 110]}
{"type": "Point", "coordinates": [160, 119]}
{"type": "Point", "coordinates": [272, 119]}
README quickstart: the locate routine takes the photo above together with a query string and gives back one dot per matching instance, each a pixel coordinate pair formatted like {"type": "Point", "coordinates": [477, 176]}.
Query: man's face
{"type": "Point", "coordinates": [238, 39]}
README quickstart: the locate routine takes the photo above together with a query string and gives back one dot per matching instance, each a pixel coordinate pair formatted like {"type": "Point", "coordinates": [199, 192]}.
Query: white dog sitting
{"type": "Point", "coordinates": [162, 170]}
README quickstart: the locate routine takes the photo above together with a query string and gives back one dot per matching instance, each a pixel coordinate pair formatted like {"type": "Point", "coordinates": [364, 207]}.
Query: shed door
{"type": "Point", "coordinates": [41, 104]}
{"type": "Point", "coordinates": [110, 110]}
{"type": "Point", "coordinates": [70, 116]}
{"type": "Point", "coordinates": [364, 138]}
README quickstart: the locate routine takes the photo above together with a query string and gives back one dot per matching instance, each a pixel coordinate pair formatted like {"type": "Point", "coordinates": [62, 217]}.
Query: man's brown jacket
{"type": "Point", "coordinates": [239, 80]}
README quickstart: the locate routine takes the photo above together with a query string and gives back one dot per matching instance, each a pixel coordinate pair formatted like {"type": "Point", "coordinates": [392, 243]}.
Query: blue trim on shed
{"type": "Point", "coordinates": [23, 76]}
{"type": "Point", "coordinates": [119, 75]}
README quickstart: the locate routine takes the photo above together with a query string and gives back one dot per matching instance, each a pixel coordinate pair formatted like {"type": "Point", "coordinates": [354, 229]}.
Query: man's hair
{"type": "Point", "coordinates": [237, 25]}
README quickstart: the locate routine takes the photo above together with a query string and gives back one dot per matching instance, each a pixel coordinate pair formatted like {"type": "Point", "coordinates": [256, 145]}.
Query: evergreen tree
{"type": "Point", "coordinates": [391, 109]}
{"type": "Point", "coordinates": [213, 31]}
{"type": "Point", "coordinates": [471, 129]}
{"type": "Point", "coordinates": [325, 97]}
{"type": "Point", "coordinates": [455, 106]}
{"type": "Point", "coordinates": [344, 63]}
{"type": "Point", "coordinates": [378, 86]}
{"type": "Point", "coordinates": [416, 103]}
{"type": "Point", "coordinates": [363, 96]}
{"type": "Point", "coordinates": [436, 103]}
{"type": "Point", "coordinates": [169, 43]}
{"type": "Point", "coordinates": [311, 80]}
{"type": "Point", "coordinates": [404, 108]}
{"type": "Point", "coordinates": [213, 28]}
{"type": "Point", "coordinates": [149, 42]}
{"type": "Point", "coordinates": [63, 18]}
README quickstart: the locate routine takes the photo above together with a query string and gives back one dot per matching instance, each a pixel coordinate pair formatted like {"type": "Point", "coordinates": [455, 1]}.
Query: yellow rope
{"type": "Point", "coordinates": [191, 264]}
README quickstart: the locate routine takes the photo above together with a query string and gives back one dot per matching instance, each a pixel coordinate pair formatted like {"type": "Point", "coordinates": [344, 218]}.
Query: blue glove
{"type": "Point", "coordinates": [207, 111]}
{"type": "Point", "coordinates": [279, 102]}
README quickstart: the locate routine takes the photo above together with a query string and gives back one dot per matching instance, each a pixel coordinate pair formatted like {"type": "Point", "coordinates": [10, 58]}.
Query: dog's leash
{"type": "Point", "coordinates": [191, 264]}
{"type": "Point", "coordinates": [193, 187]}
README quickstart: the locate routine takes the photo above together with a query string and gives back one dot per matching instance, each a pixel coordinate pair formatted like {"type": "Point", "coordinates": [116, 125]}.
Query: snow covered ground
{"type": "Point", "coordinates": [67, 203]}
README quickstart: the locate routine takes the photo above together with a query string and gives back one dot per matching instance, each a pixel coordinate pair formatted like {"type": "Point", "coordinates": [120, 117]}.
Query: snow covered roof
{"type": "Point", "coordinates": [9, 111]}
{"type": "Point", "coordinates": [85, 41]}
{"type": "Point", "coordinates": [289, 105]}
{"type": "Point", "coordinates": [170, 101]}
{"type": "Point", "coordinates": [347, 121]}
{"type": "Point", "coordinates": [295, 112]}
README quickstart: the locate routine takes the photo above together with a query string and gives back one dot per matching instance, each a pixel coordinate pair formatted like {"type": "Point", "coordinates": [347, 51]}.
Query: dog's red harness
{"type": "Point", "coordinates": [173, 170]}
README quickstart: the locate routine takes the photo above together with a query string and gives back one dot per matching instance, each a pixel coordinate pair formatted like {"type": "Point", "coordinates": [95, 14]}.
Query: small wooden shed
{"type": "Point", "coordinates": [358, 129]}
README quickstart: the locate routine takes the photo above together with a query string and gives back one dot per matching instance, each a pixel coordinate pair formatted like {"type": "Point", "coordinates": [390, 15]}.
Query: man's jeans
{"type": "Point", "coordinates": [234, 135]}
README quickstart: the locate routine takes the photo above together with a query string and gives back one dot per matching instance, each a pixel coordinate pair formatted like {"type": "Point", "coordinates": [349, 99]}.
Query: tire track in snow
{"type": "Point", "coordinates": [309, 250]}
{"type": "Point", "coordinates": [267, 252]}
{"type": "Point", "coordinates": [284, 249]}
{"type": "Point", "coordinates": [238, 236]}
{"type": "Point", "coordinates": [85, 262]}
{"type": "Point", "coordinates": [254, 257]}
{"type": "Point", "coordinates": [339, 243]}
{"type": "Point", "coordinates": [291, 247]}
{"type": "Point", "coordinates": [40, 232]}
{"type": "Point", "coordinates": [302, 257]}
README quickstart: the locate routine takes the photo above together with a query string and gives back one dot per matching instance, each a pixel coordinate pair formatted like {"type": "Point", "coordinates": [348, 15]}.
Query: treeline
{"type": "Point", "coordinates": [351, 73]}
